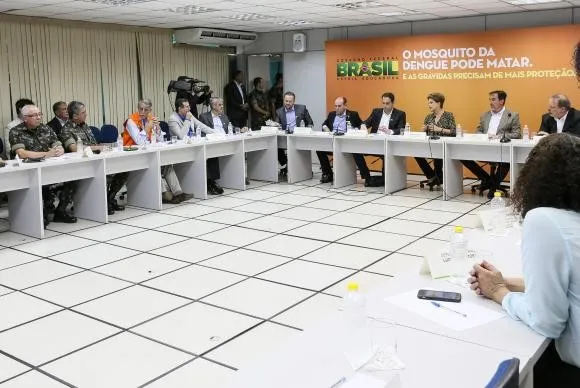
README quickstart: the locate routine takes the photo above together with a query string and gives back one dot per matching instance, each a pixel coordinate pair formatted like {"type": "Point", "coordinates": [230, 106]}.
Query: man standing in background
{"type": "Point", "coordinates": [276, 94]}
{"type": "Point", "coordinates": [258, 105]}
{"type": "Point", "coordinates": [60, 117]}
{"type": "Point", "coordinates": [237, 100]}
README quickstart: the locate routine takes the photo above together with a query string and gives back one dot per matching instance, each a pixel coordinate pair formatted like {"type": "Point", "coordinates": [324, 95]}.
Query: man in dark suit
{"type": "Point", "coordinates": [60, 117]}
{"type": "Point", "coordinates": [496, 123]}
{"type": "Point", "coordinates": [289, 117]}
{"type": "Point", "coordinates": [338, 121]}
{"type": "Point", "coordinates": [561, 117]}
{"type": "Point", "coordinates": [387, 120]}
{"type": "Point", "coordinates": [237, 100]}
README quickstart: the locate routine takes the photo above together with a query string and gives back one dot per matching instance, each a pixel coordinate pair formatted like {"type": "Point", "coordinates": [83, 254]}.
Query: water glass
{"type": "Point", "coordinates": [173, 139]}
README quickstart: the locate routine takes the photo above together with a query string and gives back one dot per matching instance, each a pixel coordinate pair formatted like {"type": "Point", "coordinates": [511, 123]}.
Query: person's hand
{"type": "Point", "coordinates": [542, 133]}
{"type": "Point", "coordinates": [430, 127]}
{"type": "Point", "coordinates": [244, 129]}
{"type": "Point", "coordinates": [363, 127]}
{"type": "Point", "coordinates": [245, 106]}
{"type": "Point", "coordinates": [325, 128]}
{"type": "Point", "coordinates": [492, 137]}
{"type": "Point", "coordinates": [54, 152]}
{"type": "Point", "coordinates": [487, 280]}
{"type": "Point", "coordinates": [189, 116]}
{"type": "Point", "coordinates": [383, 128]}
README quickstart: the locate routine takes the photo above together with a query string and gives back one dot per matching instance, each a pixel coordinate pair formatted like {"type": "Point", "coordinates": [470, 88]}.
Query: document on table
{"type": "Point", "coordinates": [474, 314]}
{"type": "Point", "coordinates": [360, 380]}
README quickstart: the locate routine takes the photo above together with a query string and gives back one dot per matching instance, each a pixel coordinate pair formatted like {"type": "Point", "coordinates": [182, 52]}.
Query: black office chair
{"type": "Point", "coordinates": [507, 375]}
{"type": "Point", "coordinates": [165, 128]}
{"type": "Point", "coordinates": [434, 182]}
{"type": "Point", "coordinates": [109, 134]}
{"type": "Point", "coordinates": [96, 133]}
{"type": "Point", "coordinates": [483, 186]}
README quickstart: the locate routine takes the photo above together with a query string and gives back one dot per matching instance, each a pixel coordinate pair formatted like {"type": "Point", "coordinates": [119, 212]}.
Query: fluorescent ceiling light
{"type": "Point", "coordinates": [293, 22]}
{"type": "Point", "coordinates": [191, 10]}
{"type": "Point", "coordinates": [532, 2]}
{"type": "Point", "coordinates": [250, 16]}
{"type": "Point", "coordinates": [358, 4]}
{"type": "Point", "coordinates": [396, 13]}
{"type": "Point", "coordinates": [117, 2]}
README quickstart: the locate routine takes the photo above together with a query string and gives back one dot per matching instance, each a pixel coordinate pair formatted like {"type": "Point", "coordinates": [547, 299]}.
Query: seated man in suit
{"type": "Point", "coordinates": [496, 123]}
{"type": "Point", "coordinates": [561, 117]}
{"type": "Point", "coordinates": [60, 117]}
{"type": "Point", "coordinates": [21, 103]}
{"type": "Point", "coordinates": [289, 117]}
{"type": "Point", "coordinates": [388, 120]}
{"type": "Point", "coordinates": [75, 129]}
{"type": "Point", "coordinates": [32, 139]}
{"type": "Point", "coordinates": [337, 122]}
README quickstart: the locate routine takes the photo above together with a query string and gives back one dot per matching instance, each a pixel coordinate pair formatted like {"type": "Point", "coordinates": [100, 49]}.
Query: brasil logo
{"type": "Point", "coordinates": [367, 68]}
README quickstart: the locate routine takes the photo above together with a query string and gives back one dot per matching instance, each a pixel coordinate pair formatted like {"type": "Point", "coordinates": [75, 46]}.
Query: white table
{"type": "Point", "coordinates": [230, 152]}
{"type": "Point", "coordinates": [300, 147]}
{"type": "Point", "coordinates": [262, 156]}
{"type": "Point", "coordinates": [343, 161]}
{"type": "Point", "coordinates": [188, 161]}
{"type": "Point", "coordinates": [520, 150]}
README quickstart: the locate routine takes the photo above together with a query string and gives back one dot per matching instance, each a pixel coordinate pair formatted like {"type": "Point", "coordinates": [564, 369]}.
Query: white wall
{"type": "Point", "coordinates": [258, 66]}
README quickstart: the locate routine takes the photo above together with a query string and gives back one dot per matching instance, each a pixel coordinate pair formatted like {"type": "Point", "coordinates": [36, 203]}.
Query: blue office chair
{"type": "Point", "coordinates": [96, 133]}
{"type": "Point", "coordinates": [165, 128]}
{"type": "Point", "coordinates": [507, 375]}
{"type": "Point", "coordinates": [109, 134]}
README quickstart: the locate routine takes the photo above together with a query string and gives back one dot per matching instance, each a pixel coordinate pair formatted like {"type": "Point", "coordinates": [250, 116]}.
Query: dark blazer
{"type": "Point", "coordinates": [301, 114]}
{"type": "Point", "coordinates": [508, 123]}
{"type": "Point", "coordinates": [235, 100]}
{"type": "Point", "coordinates": [351, 116]}
{"type": "Point", "coordinates": [571, 125]}
{"type": "Point", "coordinates": [396, 123]}
{"type": "Point", "coordinates": [207, 119]}
{"type": "Point", "coordinates": [57, 127]}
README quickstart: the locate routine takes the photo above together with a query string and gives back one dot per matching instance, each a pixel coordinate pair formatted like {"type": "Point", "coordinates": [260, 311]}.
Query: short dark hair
{"type": "Point", "coordinates": [57, 104]}
{"type": "Point", "coordinates": [577, 60]}
{"type": "Point", "coordinates": [21, 104]}
{"type": "Point", "coordinates": [257, 80]}
{"type": "Point", "coordinates": [179, 103]}
{"type": "Point", "coordinates": [553, 160]}
{"type": "Point", "coordinates": [290, 94]}
{"type": "Point", "coordinates": [389, 95]}
{"type": "Point", "coordinates": [237, 72]}
{"type": "Point", "coordinates": [344, 100]}
{"type": "Point", "coordinates": [437, 97]}
{"type": "Point", "coordinates": [501, 95]}
{"type": "Point", "coordinates": [73, 108]}
{"type": "Point", "coordinates": [563, 101]}
{"type": "Point", "coordinates": [279, 76]}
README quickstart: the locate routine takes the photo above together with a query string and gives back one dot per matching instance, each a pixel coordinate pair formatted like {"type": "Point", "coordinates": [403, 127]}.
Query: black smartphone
{"type": "Point", "coordinates": [444, 296]}
{"type": "Point", "coordinates": [338, 133]}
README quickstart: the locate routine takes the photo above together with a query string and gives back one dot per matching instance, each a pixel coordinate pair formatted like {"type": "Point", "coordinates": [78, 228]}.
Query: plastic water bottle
{"type": "Point", "coordinates": [153, 138]}
{"type": "Point", "coordinates": [526, 133]}
{"type": "Point", "coordinates": [230, 129]}
{"type": "Point", "coordinates": [459, 131]}
{"type": "Point", "coordinates": [80, 149]}
{"type": "Point", "coordinates": [197, 133]}
{"type": "Point", "coordinates": [120, 143]}
{"type": "Point", "coordinates": [348, 126]}
{"type": "Point", "coordinates": [407, 129]}
{"type": "Point", "coordinates": [354, 306]}
{"type": "Point", "coordinates": [499, 217]}
{"type": "Point", "coordinates": [458, 249]}
{"type": "Point", "coordinates": [302, 124]}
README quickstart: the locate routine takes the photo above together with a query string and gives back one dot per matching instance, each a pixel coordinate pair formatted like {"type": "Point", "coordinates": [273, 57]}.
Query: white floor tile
{"type": "Point", "coordinates": [245, 262]}
{"type": "Point", "coordinates": [281, 188]}
{"type": "Point", "coordinates": [378, 240]}
{"type": "Point", "coordinates": [140, 268]}
{"type": "Point", "coordinates": [311, 311]}
{"type": "Point", "coordinates": [262, 340]}
{"type": "Point", "coordinates": [325, 232]}
{"type": "Point", "coordinates": [258, 297]}
{"type": "Point", "coordinates": [226, 202]}
{"type": "Point", "coordinates": [358, 196]}
{"type": "Point", "coordinates": [254, 194]}
{"type": "Point", "coordinates": [410, 228]}
{"type": "Point", "coordinates": [236, 236]}
{"type": "Point", "coordinates": [107, 232]}
{"type": "Point", "coordinates": [34, 273]}
{"type": "Point", "coordinates": [55, 245]}
{"type": "Point", "coordinates": [423, 246]}
{"type": "Point", "coordinates": [332, 204]}
{"type": "Point", "coordinates": [94, 255]}
{"type": "Point", "coordinates": [230, 217]}
{"type": "Point", "coordinates": [355, 220]}
{"type": "Point", "coordinates": [5, 291]}
{"type": "Point", "coordinates": [432, 216]}
{"type": "Point", "coordinates": [194, 282]}
{"type": "Point", "coordinates": [146, 241]}
{"type": "Point", "coordinates": [313, 276]}
{"type": "Point", "coordinates": [305, 214]}
{"type": "Point", "coordinates": [191, 211]}
{"type": "Point", "coordinates": [420, 193]}
{"type": "Point", "coordinates": [206, 374]}
{"type": "Point", "coordinates": [345, 256]}
{"type": "Point", "coordinates": [152, 221]}
{"type": "Point", "coordinates": [11, 258]}
{"type": "Point", "coordinates": [397, 264]}
{"type": "Point", "coordinates": [262, 207]}
{"type": "Point", "coordinates": [366, 281]}
{"type": "Point", "coordinates": [127, 213]}
{"type": "Point", "coordinates": [273, 224]}
{"type": "Point", "coordinates": [53, 336]}
{"type": "Point", "coordinates": [291, 199]}
{"type": "Point", "coordinates": [399, 200]}
{"type": "Point", "coordinates": [288, 246]}
{"type": "Point", "coordinates": [131, 306]}
{"type": "Point", "coordinates": [19, 308]}
{"type": "Point", "coordinates": [196, 328]}
{"type": "Point", "coordinates": [68, 228]}
{"type": "Point", "coordinates": [128, 360]}
{"type": "Point", "coordinates": [472, 198]}
{"type": "Point", "coordinates": [193, 250]}
{"type": "Point", "coordinates": [374, 209]}
{"type": "Point", "coordinates": [449, 206]}
{"type": "Point", "coordinates": [10, 368]}
{"type": "Point", "coordinates": [77, 288]}
{"type": "Point", "coordinates": [468, 221]}
{"type": "Point", "coordinates": [191, 228]}
{"type": "Point", "coordinates": [10, 239]}
{"type": "Point", "coordinates": [319, 192]}
{"type": "Point", "coordinates": [33, 379]}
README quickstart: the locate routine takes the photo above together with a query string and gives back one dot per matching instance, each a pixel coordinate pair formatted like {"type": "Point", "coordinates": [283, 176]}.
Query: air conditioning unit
{"type": "Point", "coordinates": [213, 37]}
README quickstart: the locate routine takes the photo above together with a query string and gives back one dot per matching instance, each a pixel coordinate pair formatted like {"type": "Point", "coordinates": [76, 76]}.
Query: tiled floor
{"type": "Point", "coordinates": [186, 296]}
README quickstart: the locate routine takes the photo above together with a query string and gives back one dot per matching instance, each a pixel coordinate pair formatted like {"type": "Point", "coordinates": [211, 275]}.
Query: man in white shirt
{"type": "Point", "coordinates": [496, 123]}
{"type": "Point", "coordinates": [182, 123]}
{"type": "Point", "coordinates": [21, 103]}
{"type": "Point", "coordinates": [561, 117]}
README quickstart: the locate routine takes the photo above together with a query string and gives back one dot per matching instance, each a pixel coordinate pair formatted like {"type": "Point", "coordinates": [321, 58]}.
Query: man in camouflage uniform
{"type": "Point", "coordinates": [32, 139]}
{"type": "Point", "coordinates": [258, 105]}
{"type": "Point", "coordinates": [77, 129]}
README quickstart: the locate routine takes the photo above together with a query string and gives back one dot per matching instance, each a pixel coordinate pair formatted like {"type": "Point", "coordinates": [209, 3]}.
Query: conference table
{"type": "Point", "coordinates": [433, 354]}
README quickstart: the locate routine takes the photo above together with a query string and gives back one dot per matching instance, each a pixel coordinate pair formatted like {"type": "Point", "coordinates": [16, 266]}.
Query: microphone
{"type": "Point", "coordinates": [504, 138]}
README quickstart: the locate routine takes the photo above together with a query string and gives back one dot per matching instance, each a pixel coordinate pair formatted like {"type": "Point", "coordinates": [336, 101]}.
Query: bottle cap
{"type": "Point", "coordinates": [352, 286]}
{"type": "Point", "coordinates": [497, 194]}
{"type": "Point", "coordinates": [458, 229]}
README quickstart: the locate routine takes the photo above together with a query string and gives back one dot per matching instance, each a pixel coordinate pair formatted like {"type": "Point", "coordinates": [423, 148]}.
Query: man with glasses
{"type": "Point", "coordinates": [21, 103]}
{"type": "Point", "coordinates": [32, 139]}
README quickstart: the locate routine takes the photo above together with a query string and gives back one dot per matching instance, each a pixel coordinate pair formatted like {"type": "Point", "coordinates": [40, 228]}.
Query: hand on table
{"type": "Point", "coordinates": [487, 280]}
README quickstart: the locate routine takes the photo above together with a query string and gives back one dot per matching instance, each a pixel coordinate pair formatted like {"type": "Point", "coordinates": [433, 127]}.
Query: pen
{"type": "Point", "coordinates": [339, 382]}
{"type": "Point", "coordinates": [449, 309]}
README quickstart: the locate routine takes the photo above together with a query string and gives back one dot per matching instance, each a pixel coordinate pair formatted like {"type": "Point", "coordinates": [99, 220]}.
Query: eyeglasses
{"type": "Point", "coordinates": [34, 115]}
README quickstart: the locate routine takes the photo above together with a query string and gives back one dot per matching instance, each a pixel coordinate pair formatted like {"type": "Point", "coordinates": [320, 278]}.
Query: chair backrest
{"type": "Point", "coordinates": [165, 128]}
{"type": "Point", "coordinates": [507, 375]}
{"type": "Point", "coordinates": [109, 133]}
{"type": "Point", "coordinates": [96, 133]}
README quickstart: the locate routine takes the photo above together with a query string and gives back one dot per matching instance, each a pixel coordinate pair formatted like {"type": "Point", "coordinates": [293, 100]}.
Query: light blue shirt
{"type": "Point", "coordinates": [551, 264]}
{"type": "Point", "coordinates": [290, 118]}
{"type": "Point", "coordinates": [339, 124]}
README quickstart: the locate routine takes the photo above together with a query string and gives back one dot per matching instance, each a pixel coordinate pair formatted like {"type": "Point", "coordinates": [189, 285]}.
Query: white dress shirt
{"type": "Point", "coordinates": [550, 304]}
{"type": "Point", "coordinates": [180, 127]}
{"type": "Point", "coordinates": [385, 119]}
{"type": "Point", "coordinates": [239, 85]}
{"type": "Point", "coordinates": [494, 122]}
{"type": "Point", "coordinates": [560, 123]}
{"type": "Point", "coordinates": [218, 126]}
{"type": "Point", "coordinates": [140, 136]}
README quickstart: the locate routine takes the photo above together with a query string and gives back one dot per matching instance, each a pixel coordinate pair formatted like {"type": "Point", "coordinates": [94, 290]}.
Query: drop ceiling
{"type": "Point", "coordinates": [267, 15]}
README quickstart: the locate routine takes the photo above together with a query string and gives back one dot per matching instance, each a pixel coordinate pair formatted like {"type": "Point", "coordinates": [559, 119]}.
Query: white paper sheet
{"type": "Point", "coordinates": [360, 380]}
{"type": "Point", "coordinates": [476, 315]}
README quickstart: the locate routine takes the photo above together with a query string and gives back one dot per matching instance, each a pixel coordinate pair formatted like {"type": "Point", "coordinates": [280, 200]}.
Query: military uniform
{"type": "Point", "coordinates": [42, 139]}
{"type": "Point", "coordinates": [261, 99]}
{"type": "Point", "coordinates": [70, 133]}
